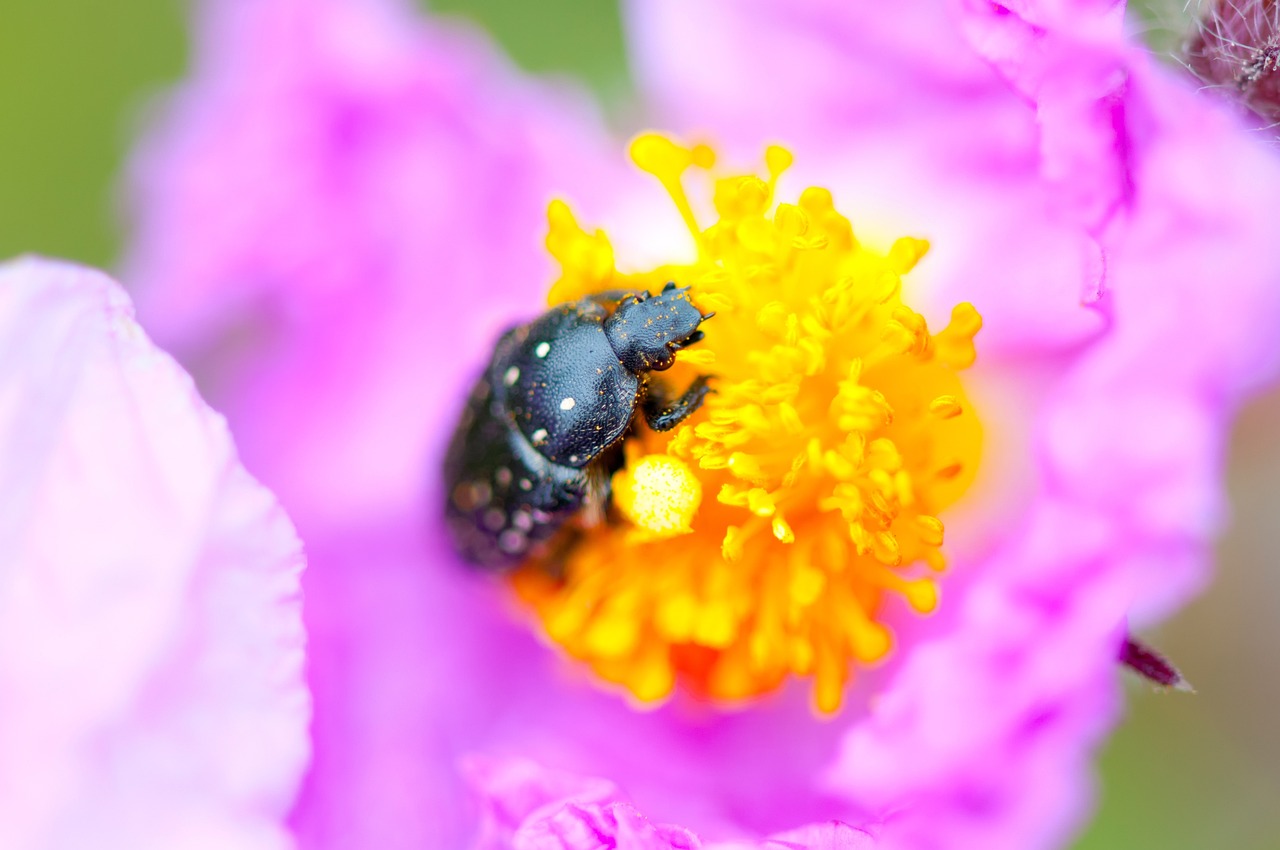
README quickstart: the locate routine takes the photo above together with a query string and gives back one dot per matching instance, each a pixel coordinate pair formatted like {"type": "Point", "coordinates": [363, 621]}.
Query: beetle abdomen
{"type": "Point", "coordinates": [504, 497]}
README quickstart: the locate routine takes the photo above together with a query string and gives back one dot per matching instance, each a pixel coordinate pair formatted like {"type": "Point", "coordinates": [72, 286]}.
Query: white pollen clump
{"type": "Point", "coordinates": [539, 435]}
{"type": "Point", "coordinates": [542, 349]}
{"type": "Point", "coordinates": [659, 494]}
{"type": "Point", "coordinates": [513, 375]}
{"type": "Point", "coordinates": [567, 403]}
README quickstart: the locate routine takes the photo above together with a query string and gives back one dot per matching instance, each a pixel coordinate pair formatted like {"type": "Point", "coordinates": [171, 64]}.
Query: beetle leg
{"type": "Point", "coordinates": [663, 413]}
{"type": "Point", "coordinates": [696, 336]}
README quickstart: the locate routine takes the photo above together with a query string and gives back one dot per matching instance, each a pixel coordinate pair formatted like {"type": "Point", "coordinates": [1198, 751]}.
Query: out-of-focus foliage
{"type": "Point", "coordinates": [1163, 24]}
{"type": "Point", "coordinates": [1184, 773]}
{"type": "Point", "coordinates": [74, 76]}
{"type": "Point", "coordinates": [578, 37]}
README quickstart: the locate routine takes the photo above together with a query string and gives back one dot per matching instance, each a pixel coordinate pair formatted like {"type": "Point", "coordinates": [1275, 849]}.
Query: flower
{"type": "Point", "coordinates": [343, 207]}
{"type": "Point", "coordinates": [837, 431]}
{"type": "Point", "coordinates": [151, 644]}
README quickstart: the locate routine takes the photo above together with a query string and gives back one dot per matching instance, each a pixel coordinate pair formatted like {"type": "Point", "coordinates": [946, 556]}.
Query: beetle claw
{"type": "Point", "coordinates": [663, 414]}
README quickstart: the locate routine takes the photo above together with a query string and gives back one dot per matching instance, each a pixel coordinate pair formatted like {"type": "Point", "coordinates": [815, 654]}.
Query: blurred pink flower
{"type": "Point", "coordinates": [151, 644]}
{"type": "Point", "coordinates": [345, 204]}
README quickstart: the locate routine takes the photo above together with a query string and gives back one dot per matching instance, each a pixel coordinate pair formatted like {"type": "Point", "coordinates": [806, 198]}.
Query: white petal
{"type": "Point", "coordinates": [151, 643]}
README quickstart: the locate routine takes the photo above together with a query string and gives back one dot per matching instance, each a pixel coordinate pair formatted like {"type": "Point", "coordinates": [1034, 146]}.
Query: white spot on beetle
{"type": "Point", "coordinates": [511, 542]}
{"type": "Point", "coordinates": [526, 485]}
{"type": "Point", "coordinates": [539, 436]}
{"type": "Point", "coordinates": [567, 403]}
{"type": "Point", "coordinates": [573, 458]}
{"type": "Point", "coordinates": [541, 350]}
{"type": "Point", "coordinates": [513, 375]}
{"type": "Point", "coordinates": [523, 521]}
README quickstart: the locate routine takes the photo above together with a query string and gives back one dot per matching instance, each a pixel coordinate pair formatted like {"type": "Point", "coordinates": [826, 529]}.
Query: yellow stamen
{"type": "Point", "coordinates": [838, 430]}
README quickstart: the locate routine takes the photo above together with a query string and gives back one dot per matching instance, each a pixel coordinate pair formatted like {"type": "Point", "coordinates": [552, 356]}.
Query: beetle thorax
{"type": "Point", "coordinates": [646, 333]}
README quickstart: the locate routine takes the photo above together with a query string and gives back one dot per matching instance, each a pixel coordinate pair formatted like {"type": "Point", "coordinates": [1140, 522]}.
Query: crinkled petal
{"type": "Point", "coordinates": [151, 643]}
{"type": "Point", "coordinates": [529, 807]}
{"type": "Point", "coordinates": [515, 791]}
{"type": "Point", "coordinates": [577, 826]}
{"type": "Point", "coordinates": [1069, 60]}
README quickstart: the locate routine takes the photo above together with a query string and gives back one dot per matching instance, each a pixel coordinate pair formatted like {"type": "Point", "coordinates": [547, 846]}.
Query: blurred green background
{"type": "Point", "coordinates": [1182, 773]}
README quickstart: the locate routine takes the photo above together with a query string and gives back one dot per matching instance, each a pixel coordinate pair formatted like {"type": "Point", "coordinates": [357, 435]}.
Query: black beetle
{"type": "Point", "coordinates": [542, 430]}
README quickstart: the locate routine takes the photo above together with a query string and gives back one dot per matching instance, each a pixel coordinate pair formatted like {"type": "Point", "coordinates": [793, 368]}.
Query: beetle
{"type": "Point", "coordinates": [541, 433]}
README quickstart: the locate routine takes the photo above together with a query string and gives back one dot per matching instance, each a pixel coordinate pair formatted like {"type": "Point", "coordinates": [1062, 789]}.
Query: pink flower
{"type": "Point", "coordinates": [344, 206]}
{"type": "Point", "coordinates": [151, 644]}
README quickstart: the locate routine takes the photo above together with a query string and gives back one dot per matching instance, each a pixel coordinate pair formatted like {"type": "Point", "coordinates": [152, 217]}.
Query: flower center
{"type": "Point", "coordinates": [760, 538]}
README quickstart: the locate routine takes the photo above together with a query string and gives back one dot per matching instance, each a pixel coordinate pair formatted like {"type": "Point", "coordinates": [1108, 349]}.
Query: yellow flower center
{"type": "Point", "coordinates": [759, 539]}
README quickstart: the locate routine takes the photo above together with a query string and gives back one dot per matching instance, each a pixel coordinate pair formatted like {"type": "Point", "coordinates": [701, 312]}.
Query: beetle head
{"type": "Point", "coordinates": [646, 332]}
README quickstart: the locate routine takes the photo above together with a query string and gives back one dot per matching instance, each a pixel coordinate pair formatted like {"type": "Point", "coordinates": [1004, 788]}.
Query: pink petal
{"type": "Point", "coordinates": [359, 197]}
{"type": "Point", "coordinates": [912, 130]}
{"type": "Point", "coordinates": [151, 644]}
{"type": "Point", "coordinates": [360, 200]}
